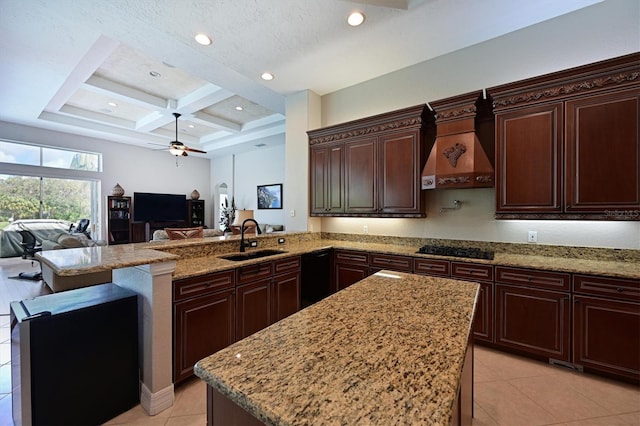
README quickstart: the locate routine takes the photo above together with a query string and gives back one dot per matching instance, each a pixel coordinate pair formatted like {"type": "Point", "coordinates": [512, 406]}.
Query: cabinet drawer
{"type": "Point", "coordinates": [250, 273]}
{"type": "Point", "coordinates": [387, 261]}
{"type": "Point", "coordinates": [471, 271]}
{"type": "Point", "coordinates": [558, 281]}
{"type": "Point", "coordinates": [196, 286]}
{"type": "Point", "coordinates": [441, 268]}
{"type": "Point", "coordinates": [356, 257]}
{"type": "Point", "coordinates": [285, 265]}
{"type": "Point", "coordinates": [609, 287]}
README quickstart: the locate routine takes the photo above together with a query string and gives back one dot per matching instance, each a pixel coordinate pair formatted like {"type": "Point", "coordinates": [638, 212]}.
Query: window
{"type": "Point", "coordinates": [32, 155]}
{"type": "Point", "coordinates": [39, 182]}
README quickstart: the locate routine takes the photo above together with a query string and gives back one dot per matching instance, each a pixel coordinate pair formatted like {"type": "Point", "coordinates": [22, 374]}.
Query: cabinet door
{"type": "Point", "coordinates": [202, 326]}
{"type": "Point", "coordinates": [400, 168]}
{"type": "Point", "coordinates": [319, 169]}
{"type": "Point", "coordinates": [528, 160]}
{"type": "Point", "coordinates": [483, 321]}
{"type": "Point", "coordinates": [286, 295]}
{"type": "Point", "coordinates": [606, 335]}
{"type": "Point", "coordinates": [347, 274]}
{"type": "Point", "coordinates": [361, 175]}
{"type": "Point", "coordinates": [254, 307]}
{"type": "Point", "coordinates": [534, 321]}
{"type": "Point", "coordinates": [483, 318]}
{"type": "Point", "coordinates": [603, 153]}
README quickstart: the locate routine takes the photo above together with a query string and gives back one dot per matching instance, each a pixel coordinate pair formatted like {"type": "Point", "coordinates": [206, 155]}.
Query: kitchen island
{"type": "Point", "coordinates": [394, 348]}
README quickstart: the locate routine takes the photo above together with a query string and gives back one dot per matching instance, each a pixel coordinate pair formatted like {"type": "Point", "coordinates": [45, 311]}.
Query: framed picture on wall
{"type": "Point", "coordinates": [270, 196]}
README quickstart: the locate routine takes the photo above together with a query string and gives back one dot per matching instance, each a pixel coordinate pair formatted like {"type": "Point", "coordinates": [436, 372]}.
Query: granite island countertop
{"type": "Point", "coordinates": [386, 350]}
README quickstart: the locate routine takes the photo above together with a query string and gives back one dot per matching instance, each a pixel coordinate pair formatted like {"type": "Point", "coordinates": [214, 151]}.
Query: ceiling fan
{"type": "Point", "coordinates": [179, 149]}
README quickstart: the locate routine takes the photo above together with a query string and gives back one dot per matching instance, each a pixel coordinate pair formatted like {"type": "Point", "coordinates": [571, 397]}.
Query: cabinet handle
{"type": "Point", "coordinates": [620, 289]}
{"type": "Point", "coordinates": [529, 277]}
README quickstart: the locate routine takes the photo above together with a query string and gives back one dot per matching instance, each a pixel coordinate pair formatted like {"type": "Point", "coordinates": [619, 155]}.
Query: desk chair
{"type": "Point", "coordinates": [30, 246]}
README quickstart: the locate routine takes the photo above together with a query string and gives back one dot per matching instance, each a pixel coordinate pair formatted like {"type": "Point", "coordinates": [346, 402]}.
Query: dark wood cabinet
{"type": "Point", "coordinates": [606, 336]}
{"type": "Point", "coordinates": [392, 262]}
{"type": "Point", "coordinates": [433, 267]}
{"type": "Point", "coordinates": [568, 144]}
{"type": "Point", "coordinates": [119, 220]}
{"type": "Point", "coordinates": [529, 159]}
{"type": "Point", "coordinates": [195, 213]}
{"type": "Point", "coordinates": [349, 268]}
{"type": "Point", "coordinates": [269, 293]}
{"type": "Point", "coordinates": [361, 181]}
{"type": "Point", "coordinates": [254, 307]}
{"type": "Point", "coordinates": [602, 160]}
{"type": "Point", "coordinates": [399, 173]}
{"type": "Point", "coordinates": [534, 321]}
{"type": "Point", "coordinates": [483, 322]}
{"type": "Point", "coordinates": [327, 179]}
{"type": "Point", "coordinates": [203, 319]}
{"type": "Point", "coordinates": [606, 325]}
{"type": "Point", "coordinates": [381, 158]}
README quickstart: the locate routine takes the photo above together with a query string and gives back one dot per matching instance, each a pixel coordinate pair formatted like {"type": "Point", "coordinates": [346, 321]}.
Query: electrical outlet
{"type": "Point", "coordinates": [365, 229]}
{"type": "Point", "coordinates": [253, 243]}
{"type": "Point", "coordinates": [281, 240]}
{"type": "Point", "coordinates": [292, 213]}
{"type": "Point", "coordinates": [532, 236]}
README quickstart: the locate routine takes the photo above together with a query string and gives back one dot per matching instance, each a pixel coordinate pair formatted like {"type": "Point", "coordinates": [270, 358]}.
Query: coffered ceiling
{"type": "Point", "coordinates": [119, 69]}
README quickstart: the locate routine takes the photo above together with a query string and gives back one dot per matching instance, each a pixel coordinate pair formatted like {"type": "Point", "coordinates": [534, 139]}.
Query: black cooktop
{"type": "Point", "coordinates": [469, 252]}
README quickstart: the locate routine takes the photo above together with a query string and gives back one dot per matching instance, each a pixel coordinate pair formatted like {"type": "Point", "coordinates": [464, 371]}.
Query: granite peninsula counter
{"type": "Point", "coordinates": [393, 348]}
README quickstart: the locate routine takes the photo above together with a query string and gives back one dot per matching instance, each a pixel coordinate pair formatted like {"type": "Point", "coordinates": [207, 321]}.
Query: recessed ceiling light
{"type": "Point", "coordinates": [239, 108]}
{"type": "Point", "coordinates": [154, 73]}
{"type": "Point", "coordinates": [355, 19]}
{"type": "Point", "coordinates": [113, 104]}
{"type": "Point", "coordinates": [203, 39]}
{"type": "Point", "coordinates": [267, 76]}
{"type": "Point", "coordinates": [191, 126]}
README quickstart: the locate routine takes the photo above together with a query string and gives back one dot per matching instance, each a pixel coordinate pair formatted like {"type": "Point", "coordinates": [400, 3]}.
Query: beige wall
{"type": "Point", "coordinates": [602, 31]}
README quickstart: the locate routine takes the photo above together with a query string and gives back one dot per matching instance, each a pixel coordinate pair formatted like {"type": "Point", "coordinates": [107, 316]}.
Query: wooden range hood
{"type": "Point", "coordinates": [463, 152]}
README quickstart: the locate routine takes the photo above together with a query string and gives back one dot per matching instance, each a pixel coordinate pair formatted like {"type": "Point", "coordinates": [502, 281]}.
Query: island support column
{"type": "Point", "coordinates": [153, 284]}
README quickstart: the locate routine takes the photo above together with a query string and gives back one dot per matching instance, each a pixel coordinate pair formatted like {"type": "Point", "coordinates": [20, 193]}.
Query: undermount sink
{"type": "Point", "coordinates": [237, 257]}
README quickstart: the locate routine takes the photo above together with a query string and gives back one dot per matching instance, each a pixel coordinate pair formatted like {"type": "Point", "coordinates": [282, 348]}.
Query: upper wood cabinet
{"type": "Point", "coordinates": [567, 144]}
{"type": "Point", "coordinates": [370, 167]}
{"type": "Point", "coordinates": [327, 179]}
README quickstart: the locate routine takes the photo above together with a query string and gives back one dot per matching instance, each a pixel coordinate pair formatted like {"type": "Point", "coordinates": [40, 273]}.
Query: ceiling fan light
{"type": "Point", "coordinates": [175, 151]}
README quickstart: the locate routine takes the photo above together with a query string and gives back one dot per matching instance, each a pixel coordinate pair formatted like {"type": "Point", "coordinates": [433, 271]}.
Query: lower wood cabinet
{"type": "Point", "coordinates": [349, 268]}
{"type": "Point", "coordinates": [534, 321]}
{"type": "Point", "coordinates": [483, 322]}
{"type": "Point", "coordinates": [606, 325]}
{"type": "Point", "coordinates": [268, 297]}
{"type": "Point", "coordinates": [203, 320]}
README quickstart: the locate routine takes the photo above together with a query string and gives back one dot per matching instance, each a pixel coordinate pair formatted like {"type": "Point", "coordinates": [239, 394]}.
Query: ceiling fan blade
{"type": "Point", "coordinates": [195, 150]}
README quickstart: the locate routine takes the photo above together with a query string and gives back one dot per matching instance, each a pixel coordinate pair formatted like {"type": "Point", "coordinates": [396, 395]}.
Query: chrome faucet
{"type": "Point", "coordinates": [242, 229]}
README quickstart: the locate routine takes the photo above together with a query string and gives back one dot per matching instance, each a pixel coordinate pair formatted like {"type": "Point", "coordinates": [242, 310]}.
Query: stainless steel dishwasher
{"type": "Point", "coordinates": [316, 277]}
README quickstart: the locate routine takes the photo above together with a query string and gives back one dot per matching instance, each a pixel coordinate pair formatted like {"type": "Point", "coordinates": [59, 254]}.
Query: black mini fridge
{"type": "Point", "coordinates": [74, 356]}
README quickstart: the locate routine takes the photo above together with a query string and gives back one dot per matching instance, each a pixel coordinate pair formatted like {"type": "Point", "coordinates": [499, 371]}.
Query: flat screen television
{"type": "Point", "coordinates": [149, 207]}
